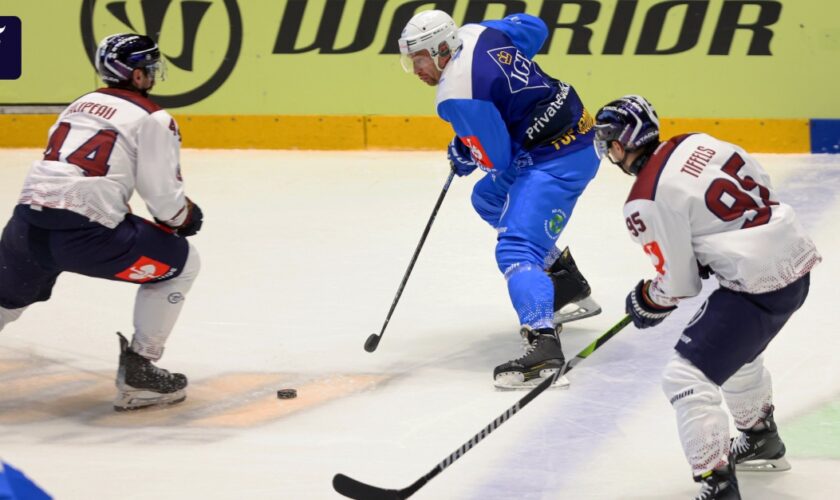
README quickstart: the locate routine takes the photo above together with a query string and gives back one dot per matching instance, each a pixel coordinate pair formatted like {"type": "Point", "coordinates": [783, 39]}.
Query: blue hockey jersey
{"type": "Point", "coordinates": [502, 105]}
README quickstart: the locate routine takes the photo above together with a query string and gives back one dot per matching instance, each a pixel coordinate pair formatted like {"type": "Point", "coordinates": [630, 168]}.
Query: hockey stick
{"type": "Point", "coordinates": [372, 342]}
{"type": "Point", "coordinates": [352, 488]}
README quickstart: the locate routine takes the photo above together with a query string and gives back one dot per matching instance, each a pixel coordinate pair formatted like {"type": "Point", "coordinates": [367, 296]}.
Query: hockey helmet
{"type": "Point", "coordinates": [118, 55]}
{"type": "Point", "coordinates": [432, 30]}
{"type": "Point", "coordinates": [630, 120]}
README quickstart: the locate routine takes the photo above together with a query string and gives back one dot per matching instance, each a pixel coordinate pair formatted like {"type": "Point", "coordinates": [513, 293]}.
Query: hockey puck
{"type": "Point", "coordinates": [286, 394]}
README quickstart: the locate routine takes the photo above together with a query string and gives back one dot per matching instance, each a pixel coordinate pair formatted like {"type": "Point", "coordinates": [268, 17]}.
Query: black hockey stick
{"type": "Point", "coordinates": [351, 488]}
{"type": "Point", "coordinates": [372, 342]}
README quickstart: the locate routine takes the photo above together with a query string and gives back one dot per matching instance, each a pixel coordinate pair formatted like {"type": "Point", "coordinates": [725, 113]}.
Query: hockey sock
{"type": "Point", "coordinates": [157, 308]}
{"type": "Point", "coordinates": [532, 294]}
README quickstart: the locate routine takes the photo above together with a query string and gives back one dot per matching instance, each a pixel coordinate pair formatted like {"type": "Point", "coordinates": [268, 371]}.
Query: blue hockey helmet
{"type": "Point", "coordinates": [630, 120]}
{"type": "Point", "coordinates": [118, 55]}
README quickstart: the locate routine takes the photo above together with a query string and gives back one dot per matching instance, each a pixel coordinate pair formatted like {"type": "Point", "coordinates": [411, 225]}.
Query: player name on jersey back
{"type": "Point", "coordinates": [699, 199]}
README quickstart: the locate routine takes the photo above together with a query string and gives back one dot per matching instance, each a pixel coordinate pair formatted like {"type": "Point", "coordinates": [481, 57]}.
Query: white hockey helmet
{"type": "Point", "coordinates": [432, 30]}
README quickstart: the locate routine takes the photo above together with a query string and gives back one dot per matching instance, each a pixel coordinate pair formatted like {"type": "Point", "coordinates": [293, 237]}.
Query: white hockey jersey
{"type": "Point", "coordinates": [702, 201]}
{"type": "Point", "coordinates": [103, 146]}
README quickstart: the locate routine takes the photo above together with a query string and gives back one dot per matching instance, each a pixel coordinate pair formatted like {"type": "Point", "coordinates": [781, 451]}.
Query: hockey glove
{"type": "Point", "coordinates": [644, 312]}
{"type": "Point", "coordinates": [460, 158]}
{"type": "Point", "coordinates": [705, 272]}
{"type": "Point", "coordinates": [192, 223]}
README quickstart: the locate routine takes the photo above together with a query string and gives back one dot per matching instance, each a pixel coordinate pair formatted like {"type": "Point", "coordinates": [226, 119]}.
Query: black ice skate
{"type": "Point", "coordinates": [572, 294]}
{"type": "Point", "coordinates": [760, 450]}
{"type": "Point", "coordinates": [141, 384]}
{"type": "Point", "coordinates": [718, 484]}
{"type": "Point", "coordinates": [543, 357]}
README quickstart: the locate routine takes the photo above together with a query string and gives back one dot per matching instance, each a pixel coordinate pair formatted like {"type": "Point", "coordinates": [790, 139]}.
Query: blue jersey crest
{"type": "Point", "coordinates": [520, 71]}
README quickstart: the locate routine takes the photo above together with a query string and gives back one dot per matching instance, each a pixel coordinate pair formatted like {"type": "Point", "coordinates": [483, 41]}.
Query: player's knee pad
{"type": "Point", "coordinates": [514, 251]}
{"type": "Point", "coordinates": [192, 266]}
{"type": "Point", "coordinates": [9, 315]}
{"type": "Point", "coordinates": [747, 378]}
{"type": "Point", "coordinates": [183, 282]}
{"type": "Point", "coordinates": [686, 386]}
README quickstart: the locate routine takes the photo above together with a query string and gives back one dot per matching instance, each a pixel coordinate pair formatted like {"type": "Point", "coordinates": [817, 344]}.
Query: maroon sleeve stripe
{"type": "Point", "coordinates": [132, 97]}
{"type": "Point", "coordinates": [648, 179]}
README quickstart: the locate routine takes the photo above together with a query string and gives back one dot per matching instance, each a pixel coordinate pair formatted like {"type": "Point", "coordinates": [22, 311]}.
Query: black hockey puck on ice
{"type": "Point", "coordinates": [286, 394]}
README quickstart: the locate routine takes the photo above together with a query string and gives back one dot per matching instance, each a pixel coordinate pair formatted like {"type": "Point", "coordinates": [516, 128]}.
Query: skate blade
{"type": "Point", "coordinates": [513, 381]}
{"type": "Point", "coordinates": [577, 310]}
{"type": "Point", "coordinates": [140, 399]}
{"type": "Point", "coordinates": [764, 465]}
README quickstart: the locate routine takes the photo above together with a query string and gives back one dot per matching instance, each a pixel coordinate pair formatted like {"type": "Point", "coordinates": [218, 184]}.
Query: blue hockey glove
{"type": "Point", "coordinates": [460, 158]}
{"type": "Point", "coordinates": [642, 309]}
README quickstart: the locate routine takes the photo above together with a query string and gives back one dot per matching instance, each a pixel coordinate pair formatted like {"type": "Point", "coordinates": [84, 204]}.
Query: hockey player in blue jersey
{"type": "Point", "coordinates": [532, 136]}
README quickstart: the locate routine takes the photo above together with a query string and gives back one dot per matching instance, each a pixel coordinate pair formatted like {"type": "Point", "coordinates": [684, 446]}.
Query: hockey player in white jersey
{"type": "Point", "coordinates": [702, 205]}
{"type": "Point", "coordinates": [73, 214]}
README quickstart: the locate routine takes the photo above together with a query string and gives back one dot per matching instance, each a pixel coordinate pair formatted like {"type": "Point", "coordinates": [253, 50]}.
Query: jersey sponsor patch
{"type": "Point", "coordinates": [479, 155]}
{"type": "Point", "coordinates": [145, 269]}
{"type": "Point", "coordinates": [521, 72]}
{"type": "Point", "coordinates": [554, 225]}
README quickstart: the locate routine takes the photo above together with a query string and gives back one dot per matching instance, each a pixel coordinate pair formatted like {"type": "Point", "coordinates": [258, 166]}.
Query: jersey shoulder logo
{"type": "Point", "coordinates": [520, 72]}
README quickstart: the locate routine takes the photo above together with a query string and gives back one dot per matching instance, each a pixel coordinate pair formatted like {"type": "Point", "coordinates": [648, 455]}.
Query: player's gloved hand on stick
{"type": "Point", "coordinates": [705, 272]}
{"type": "Point", "coordinates": [191, 225]}
{"type": "Point", "coordinates": [642, 309]}
{"type": "Point", "coordinates": [460, 158]}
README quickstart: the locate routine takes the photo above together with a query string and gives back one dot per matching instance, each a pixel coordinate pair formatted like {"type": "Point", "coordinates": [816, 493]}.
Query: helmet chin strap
{"type": "Point", "coordinates": [449, 53]}
{"type": "Point", "coordinates": [643, 158]}
{"type": "Point", "coordinates": [637, 164]}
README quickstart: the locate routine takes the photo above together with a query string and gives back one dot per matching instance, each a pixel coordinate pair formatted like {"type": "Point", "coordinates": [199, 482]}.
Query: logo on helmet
{"type": "Point", "coordinates": [191, 83]}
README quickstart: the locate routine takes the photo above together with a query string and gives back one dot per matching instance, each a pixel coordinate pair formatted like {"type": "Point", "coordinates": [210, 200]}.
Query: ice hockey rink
{"type": "Point", "coordinates": [302, 253]}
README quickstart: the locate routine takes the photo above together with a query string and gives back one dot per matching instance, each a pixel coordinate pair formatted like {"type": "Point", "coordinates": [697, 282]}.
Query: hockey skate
{"type": "Point", "coordinates": [543, 358]}
{"type": "Point", "coordinates": [718, 484]}
{"type": "Point", "coordinates": [760, 450]}
{"type": "Point", "coordinates": [572, 294]}
{"type": "Point", "coordinates": [140, 384]}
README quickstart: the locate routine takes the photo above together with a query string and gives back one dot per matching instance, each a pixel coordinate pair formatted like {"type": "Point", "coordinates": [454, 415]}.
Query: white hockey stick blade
{"type": "Point", "coordinates": [577, 310]}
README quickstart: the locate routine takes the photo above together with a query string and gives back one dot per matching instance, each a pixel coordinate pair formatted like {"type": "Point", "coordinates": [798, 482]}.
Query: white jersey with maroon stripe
{"type": "Point", "coordinates": [699, 200]}
{"type": "Point", "coordinates": [103, 146]}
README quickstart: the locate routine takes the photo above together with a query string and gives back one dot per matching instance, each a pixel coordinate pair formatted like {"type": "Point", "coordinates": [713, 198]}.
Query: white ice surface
{"type": "Point", "coordinates": [302, 253]}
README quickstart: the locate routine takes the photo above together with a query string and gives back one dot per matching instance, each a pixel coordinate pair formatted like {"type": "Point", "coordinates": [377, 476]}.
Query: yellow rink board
{"type": "Point", "coordinates": [354, 132]}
